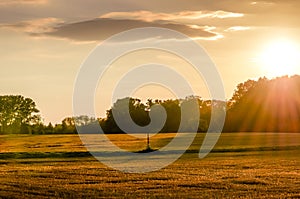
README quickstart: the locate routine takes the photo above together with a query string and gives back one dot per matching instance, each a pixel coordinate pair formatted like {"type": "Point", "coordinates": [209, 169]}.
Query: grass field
{"type": "Point", "coordinates": [242, 165]}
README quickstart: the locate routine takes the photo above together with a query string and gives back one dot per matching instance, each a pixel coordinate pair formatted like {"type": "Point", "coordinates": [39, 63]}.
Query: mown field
{"type": "Point", "coordinates": [242, 165]}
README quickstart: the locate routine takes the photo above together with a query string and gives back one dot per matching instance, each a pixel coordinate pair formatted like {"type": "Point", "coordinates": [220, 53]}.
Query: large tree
{"type": "Point", "coordinates": [269, 105]}
{"type": "Point", "coordinates": [137, 111]}
{"type": "Point", "coordinates": [16, 113]}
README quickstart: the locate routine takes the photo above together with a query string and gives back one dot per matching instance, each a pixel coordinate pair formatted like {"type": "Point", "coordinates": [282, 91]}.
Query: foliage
{"type": "Point", "coordinates": [139, 113]}
{"type": "Point", "coordinates": [17, 113]}
{"type": "Point", "coordinates": [266, 105]}
{"type": "Point", "coordinates": [256, 105]}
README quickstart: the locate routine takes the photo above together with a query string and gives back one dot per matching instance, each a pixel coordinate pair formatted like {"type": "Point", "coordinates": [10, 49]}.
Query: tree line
{"type": "Point", "coordinates": [256, 105]}
{"type": "Point", "coordinates": [265, 105]}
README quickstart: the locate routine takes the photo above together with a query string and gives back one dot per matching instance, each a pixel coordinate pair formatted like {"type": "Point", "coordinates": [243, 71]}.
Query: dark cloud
{"type": "Point", "coordinates": [102, 28]}
{"type": "Point", "coordinates": [265, 13]}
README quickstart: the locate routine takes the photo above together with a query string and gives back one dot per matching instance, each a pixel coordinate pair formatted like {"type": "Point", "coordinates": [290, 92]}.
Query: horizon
{"type": "Point", "coordinates": [144, 100]}
{"type": "Point", "coordinates": [43, 46]}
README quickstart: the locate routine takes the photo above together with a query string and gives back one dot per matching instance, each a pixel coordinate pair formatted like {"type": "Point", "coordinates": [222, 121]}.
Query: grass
{"type": "Point", "coordinates": [242, 165]}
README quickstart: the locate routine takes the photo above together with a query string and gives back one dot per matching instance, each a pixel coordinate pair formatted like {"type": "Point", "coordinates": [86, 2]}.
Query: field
{"type": "Point", "coordinates": [242, 165]}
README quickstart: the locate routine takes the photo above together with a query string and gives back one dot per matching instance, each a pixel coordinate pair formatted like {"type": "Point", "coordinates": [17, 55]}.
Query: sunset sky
{"type": "Point", "coordinates": [44, 42]}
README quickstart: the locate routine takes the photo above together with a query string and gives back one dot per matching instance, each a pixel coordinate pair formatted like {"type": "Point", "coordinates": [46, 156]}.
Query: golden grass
{"type": "Point", "coordinates": [240, 174]}
{"type": "Point", "coordinates": [72, 143]}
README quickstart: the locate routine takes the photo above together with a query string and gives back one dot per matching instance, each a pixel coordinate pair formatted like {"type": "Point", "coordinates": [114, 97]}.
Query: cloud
{"type": "Point", "coordinates": [263, 3]}
{"type": "Point", "coordinates": [102, 28]}
{"type": "Point", "coordinates": [17, 2]}
{"type": "Point", "coordinates": [187, 15]}
{"type": "Point", "coordinates": [37, 26]}
{"type": "Point", "coordinates": [115, 22]}
{"type": "Point", "coordinates": [237, 28]}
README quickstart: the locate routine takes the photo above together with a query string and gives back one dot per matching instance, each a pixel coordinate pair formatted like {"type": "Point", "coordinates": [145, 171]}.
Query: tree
{"type": "Point", "coordinates": [16, 113]}
{"type": "Point", "coordinates": [173, 111]}
{"type": "Point", "coordinates": [81, 120]}
{"type": "Point", "coordinates": [68, 125]}
{"type": "Point", "coordinates": [49, 129]}
{"type": "Point", "coordinates": [269, 106]}
{"type": "Point", "coordinates": [138, 111]}
{"type": "Point", "coordinates": [240, 91]}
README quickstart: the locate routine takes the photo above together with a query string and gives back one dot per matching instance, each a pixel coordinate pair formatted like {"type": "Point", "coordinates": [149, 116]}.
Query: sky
{"type": "Point", "coordinates": [45, 42]}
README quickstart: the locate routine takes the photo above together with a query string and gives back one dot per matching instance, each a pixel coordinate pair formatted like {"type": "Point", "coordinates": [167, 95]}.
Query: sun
{"type": "Point", "coordinates": [281, 57]}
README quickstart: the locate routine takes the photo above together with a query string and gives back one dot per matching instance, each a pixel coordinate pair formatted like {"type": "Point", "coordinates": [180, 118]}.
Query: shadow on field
{"type": "Point", "coordinates": [22, 155]}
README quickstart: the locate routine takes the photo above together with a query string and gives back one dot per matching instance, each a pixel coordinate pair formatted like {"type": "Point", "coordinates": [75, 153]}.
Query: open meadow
{"type": "Point", "coordinates": [242, 165]}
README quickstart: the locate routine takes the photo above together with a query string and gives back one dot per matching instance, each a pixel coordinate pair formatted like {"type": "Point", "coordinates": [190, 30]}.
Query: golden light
{"type": "Point", "coordinates": [280, 58]}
